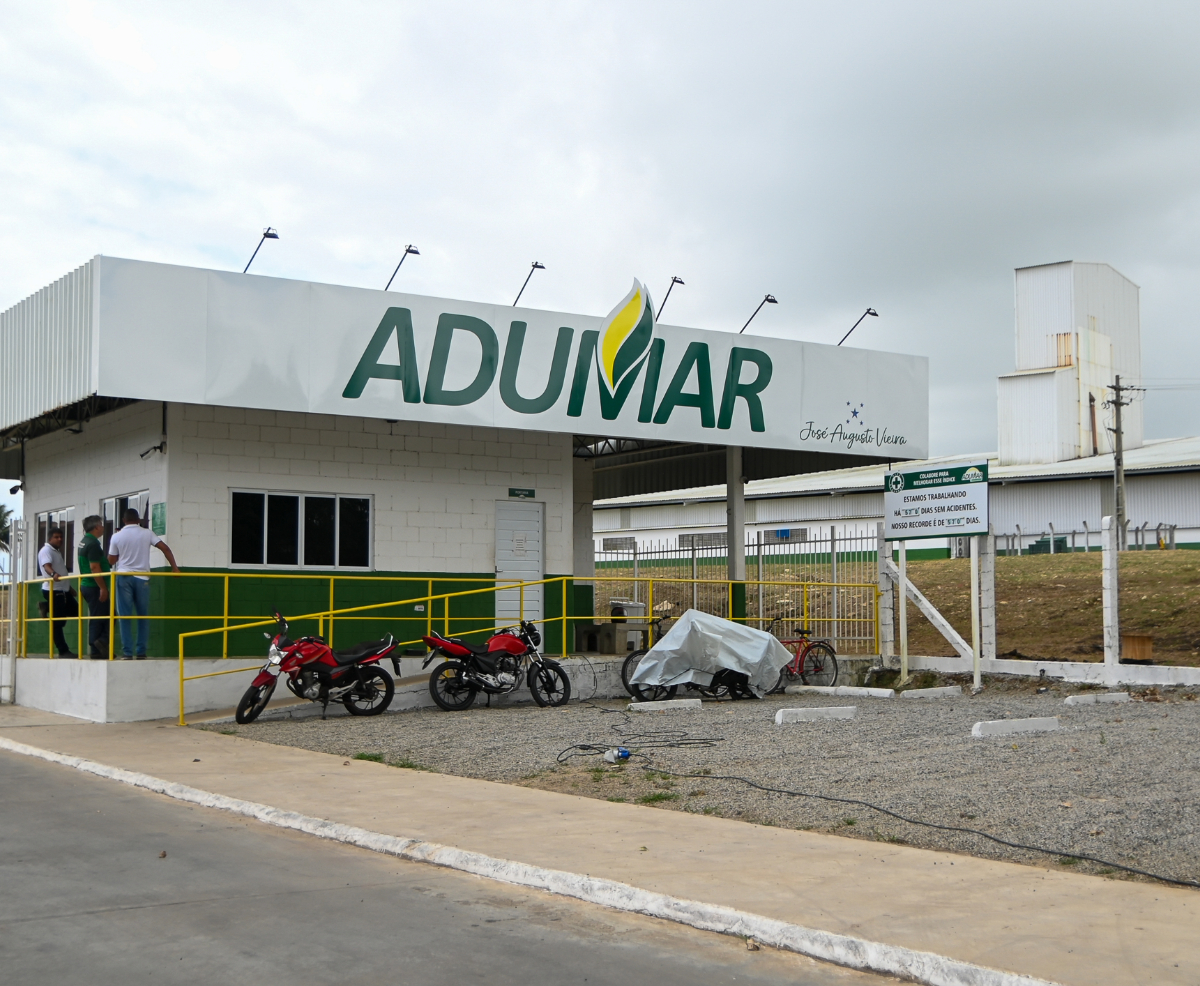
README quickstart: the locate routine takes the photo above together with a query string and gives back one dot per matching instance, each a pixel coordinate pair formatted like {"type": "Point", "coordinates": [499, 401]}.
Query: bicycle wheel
{"type": "Point", "coordinates": [643, 693]}
{"type": "Point", "coordinates": [820, 665]}
{"type": "Point", "coordinates": [629, 667]}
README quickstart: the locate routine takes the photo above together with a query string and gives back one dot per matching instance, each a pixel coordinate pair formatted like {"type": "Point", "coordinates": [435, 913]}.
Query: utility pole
{"type": "Point", "coordinates": [1116, 403]}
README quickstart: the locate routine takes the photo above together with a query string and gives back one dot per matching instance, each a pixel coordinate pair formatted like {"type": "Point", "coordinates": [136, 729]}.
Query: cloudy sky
{"type": "Point", "coordinates": [901, 156]}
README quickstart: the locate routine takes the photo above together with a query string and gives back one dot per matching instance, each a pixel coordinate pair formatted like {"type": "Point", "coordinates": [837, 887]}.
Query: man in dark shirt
{"type": "Point", "coordinates": [95, 591]}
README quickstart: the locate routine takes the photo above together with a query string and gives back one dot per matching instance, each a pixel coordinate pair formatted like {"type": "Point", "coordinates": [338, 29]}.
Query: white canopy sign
{"type": "Point", "coordinates": [246, 341]}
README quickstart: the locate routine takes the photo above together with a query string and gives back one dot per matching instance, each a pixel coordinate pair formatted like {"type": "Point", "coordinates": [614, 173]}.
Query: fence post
{"type": "Point", "coordinates": [886, 613]}
{"type": "Point", "coordinates": [635, 572]}
{"type": "Point", "coordinates": [758, 554]}
{"type": "Point", "coordinates": [1110, 596]}
{"type": "Point", "coordinates": [182, 721]}
{"type": "Point", "coordinates": [987, 596]}
{"type": "Point", "coordinates": [564, 618]}
{"type": "Point", "coordinates": [903, 604]}
{"type": "Point", "coordinates": [695, 576]}
{"type": "Point", "coordinates": [976, 636]}
{"type": "Point", "coordinates": [833, 578]}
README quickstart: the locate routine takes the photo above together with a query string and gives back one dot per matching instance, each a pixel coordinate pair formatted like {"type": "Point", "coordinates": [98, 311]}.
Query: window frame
{"type": "Point", "coordinates": [300, 565]}
{"type": "Point", "coordinates": [42, 524]}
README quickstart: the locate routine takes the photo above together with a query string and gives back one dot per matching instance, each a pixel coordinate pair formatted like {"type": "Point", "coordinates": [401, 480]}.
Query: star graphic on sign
{"type": "Point", "coordinates": [856, 413]}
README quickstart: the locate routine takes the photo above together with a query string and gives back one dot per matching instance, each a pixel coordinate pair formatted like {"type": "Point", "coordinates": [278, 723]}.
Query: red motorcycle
{"type": "Point", "coordinates": [320, 674]}
{"type": "Point", "coordinates": [494, 668]}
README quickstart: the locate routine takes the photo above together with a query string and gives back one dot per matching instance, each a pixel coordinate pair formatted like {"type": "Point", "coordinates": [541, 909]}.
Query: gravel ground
{"type": "Point", "coordinates": [1120, 782]}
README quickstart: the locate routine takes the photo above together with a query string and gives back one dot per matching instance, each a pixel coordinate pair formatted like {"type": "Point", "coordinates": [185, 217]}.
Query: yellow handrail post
{"type": "Point", "coordinates": [112, 617]}
{"type": "Point", "coordinates": [429, 610]}
{"type": "Point", "coordinates": [225, 622]}
{"type": "Point", "coordinates": [804, 603]}
{"type": "Point", "coordinates": [329, 639]}
{"type": "Point", "coordinates": [79, 641]}
{"type": "Point", "coordinates": [522, 611]}
{"type": "Point", "coordinates": [182, 721]}
{"type": "Point", "coordinates": [564, 618]}
{"type": "Point", "coordinates": [50, 624]}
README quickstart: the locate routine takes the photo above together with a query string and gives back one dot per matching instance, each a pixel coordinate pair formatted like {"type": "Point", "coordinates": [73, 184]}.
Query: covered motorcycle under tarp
{"type": "Point", "coordinates": [700, 646]}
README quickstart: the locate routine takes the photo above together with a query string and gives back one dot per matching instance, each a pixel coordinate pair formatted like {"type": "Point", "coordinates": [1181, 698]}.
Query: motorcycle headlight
{"type": "Point", "coordinates": [274, 654]}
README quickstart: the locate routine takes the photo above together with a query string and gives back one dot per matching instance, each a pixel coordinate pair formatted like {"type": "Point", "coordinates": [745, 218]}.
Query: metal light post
{"type": "Point", "coordinates": [768, 299]}
{"type": "Point", "coordinates": [408, 248]}
{"type": "Point", "coordinates": [674, 280]}
{"type": "Point", "coordinates": [532, 267]}
{"type": "Point", "coordinates": [869, 311]}
{"type": "Point", "coordinates": [268, 234]}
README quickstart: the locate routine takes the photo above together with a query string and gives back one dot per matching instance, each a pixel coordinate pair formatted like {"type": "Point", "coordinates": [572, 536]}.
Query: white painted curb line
{"type": "Point", "coordinates": [1007, 727]}
{"type": "Point", "coordinates": [950, 691]}
{"type": "Point", "coordinates": [855, 953]}
{"type": "Point", "coordinates": [1106, 698]}
{"type": "Point", "coordinates": [812, 715]}
{"type": "Point", "coordinates": [849, 691]}
{"type": "Point", "coordinates": [671, 703]}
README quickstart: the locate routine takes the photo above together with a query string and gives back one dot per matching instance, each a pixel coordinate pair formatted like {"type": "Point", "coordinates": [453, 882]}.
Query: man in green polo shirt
{"type": "Point", "coordinates": [95, 591]}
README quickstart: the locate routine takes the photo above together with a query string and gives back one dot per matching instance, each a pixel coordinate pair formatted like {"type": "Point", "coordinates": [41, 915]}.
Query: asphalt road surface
{"type": "Point", "coordinates": [87, 897]}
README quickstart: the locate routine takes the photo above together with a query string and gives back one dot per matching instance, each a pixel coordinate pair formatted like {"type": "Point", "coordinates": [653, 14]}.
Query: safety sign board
{"type": "Point", "coordinates": [936, 502]}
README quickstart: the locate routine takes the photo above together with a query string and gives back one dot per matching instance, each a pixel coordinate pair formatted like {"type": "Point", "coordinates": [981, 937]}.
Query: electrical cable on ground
{"type": "Point", "coordinates": [680, 739]}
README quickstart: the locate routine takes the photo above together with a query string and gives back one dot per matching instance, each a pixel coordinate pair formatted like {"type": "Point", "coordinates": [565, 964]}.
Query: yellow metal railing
{"type": "Point", "coordinates": [764, 603]}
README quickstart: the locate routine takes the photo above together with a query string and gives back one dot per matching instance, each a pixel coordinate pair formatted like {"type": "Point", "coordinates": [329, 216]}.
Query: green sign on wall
{"type": "Point", "coordinates": [936, 502]}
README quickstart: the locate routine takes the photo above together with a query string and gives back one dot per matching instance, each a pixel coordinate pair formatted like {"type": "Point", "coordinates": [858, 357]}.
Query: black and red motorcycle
{"type": "Point", "coordinates": [317, 672]}
{"type": "Point", "coordinates": [494, 668]}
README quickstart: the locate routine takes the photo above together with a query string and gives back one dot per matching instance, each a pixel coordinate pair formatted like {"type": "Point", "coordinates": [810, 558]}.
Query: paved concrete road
{"type": "Point", "coordinates": [86, 898]}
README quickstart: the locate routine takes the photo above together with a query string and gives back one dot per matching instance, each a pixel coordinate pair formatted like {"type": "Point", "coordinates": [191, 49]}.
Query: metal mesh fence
{"type": "Point", "coordinates": [823, 584]}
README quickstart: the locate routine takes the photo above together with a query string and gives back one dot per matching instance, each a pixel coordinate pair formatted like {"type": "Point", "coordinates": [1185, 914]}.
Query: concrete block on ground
{"type": "Point", "coordinates": [1007, 727]}
{"type": "Point", "coordinates": [1109, 698]}
{"type": "Point", "coordinates": [812, 715]}
{"type": "Point", "coordinates": [673, 703]}
{"type": "Point", "coordinates": [950, 691]}
{"type": "Point", "coordinates": [848, 691]}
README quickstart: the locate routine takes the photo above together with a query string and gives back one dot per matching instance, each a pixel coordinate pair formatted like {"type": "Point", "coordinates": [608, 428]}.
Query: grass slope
{"type": "Point", "coordinates": [1048, 606]}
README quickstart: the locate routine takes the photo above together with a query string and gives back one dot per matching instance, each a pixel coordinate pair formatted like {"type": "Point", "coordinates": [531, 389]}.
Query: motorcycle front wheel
{"type": "Point", "coordinates": [550, 685]}
{"type": "Point", "coordinates": [372, 695]}
{"type": "Point", "coordinates": [450, 688]}
{"type": "Point", "coordinates": [253, 702]}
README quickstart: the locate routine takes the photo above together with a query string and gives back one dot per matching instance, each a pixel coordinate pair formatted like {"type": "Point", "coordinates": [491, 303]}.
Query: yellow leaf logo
{"type": "Point", "coordinates": [625, 336]}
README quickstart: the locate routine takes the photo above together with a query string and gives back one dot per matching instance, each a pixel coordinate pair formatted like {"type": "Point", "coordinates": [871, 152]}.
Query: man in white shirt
{"type": "Point", "coordinates": [51, 563]}
{"type": "Point", "coordinates": [129, 555]}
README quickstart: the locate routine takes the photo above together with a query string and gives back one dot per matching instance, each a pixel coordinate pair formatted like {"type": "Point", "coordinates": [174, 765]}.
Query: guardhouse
{"type": "Point", "coordinates": [319, 446]}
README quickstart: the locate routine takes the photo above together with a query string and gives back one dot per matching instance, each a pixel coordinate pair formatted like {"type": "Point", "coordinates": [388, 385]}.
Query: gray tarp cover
{"type": "Point", "coordinates": [699, 645]}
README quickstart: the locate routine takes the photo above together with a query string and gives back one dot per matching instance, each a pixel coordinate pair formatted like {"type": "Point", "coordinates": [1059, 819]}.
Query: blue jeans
{"type": "Point", "coordinates": [133, 598]}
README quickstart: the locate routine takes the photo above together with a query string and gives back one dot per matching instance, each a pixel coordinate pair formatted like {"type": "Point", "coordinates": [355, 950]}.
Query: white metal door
{"type": "Point", "coordinates": [519, 541]}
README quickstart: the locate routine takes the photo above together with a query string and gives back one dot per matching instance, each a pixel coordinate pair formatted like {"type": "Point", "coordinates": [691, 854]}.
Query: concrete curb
{"type": "Point", "coordinates": [666, 706]}
{"type": "Point", "coordinates": [854, 953]}
{"type": "Point", "coordinates": [848, 691]}
{"type": "Point", "coordinates": [1108, 698]}
{"type": "Point", "coordinates": [784, 716]}
{"type": "Point", "coordinates": [1009, 727]}
{"type": "Point", "coordinates": [950, 691]}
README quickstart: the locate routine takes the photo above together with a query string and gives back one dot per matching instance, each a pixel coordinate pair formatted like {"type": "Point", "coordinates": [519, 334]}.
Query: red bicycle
{"type": "Point", "coordinates": [815, 662]}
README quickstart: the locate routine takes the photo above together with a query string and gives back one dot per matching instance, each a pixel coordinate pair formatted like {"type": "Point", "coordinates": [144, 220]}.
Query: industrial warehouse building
{"type": "Point", "coordinates": [268, 427]}
{"type": "Point", "coordinates": [1051, 480]}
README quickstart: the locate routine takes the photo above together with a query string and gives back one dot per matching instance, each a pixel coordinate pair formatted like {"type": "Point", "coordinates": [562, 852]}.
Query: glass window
{"type": "Point", "coordinates": [354, 532]}
{"type": "Point", "coordinates": [113, 510]}
{"type": "Point", "coordinates": [249, 512]}
{"type": "Point", "coordinates": [300, 530]}
{"type": "Point", "coordinates": [283, 529]}
{"type": "Point", "coordinates": [320, 521]}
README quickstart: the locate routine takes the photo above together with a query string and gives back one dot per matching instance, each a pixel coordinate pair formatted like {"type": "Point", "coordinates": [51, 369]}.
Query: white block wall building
{"type": "Point", "coordinates": [433, 487]}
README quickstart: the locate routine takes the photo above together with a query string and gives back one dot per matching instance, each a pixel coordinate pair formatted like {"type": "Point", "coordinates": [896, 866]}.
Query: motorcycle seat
{"type": "Point", "coordinates": [360, 652]}
{"type": "Point", "coordinates": [465, 645]}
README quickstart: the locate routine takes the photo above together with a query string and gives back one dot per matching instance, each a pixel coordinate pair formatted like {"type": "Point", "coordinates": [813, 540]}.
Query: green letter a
{"type": "Point", "coordinates": [399, 320]}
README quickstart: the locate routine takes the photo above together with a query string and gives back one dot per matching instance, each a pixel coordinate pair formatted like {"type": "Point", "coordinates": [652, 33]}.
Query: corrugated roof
{"type": "Point", "coordinates": [1163, 455]}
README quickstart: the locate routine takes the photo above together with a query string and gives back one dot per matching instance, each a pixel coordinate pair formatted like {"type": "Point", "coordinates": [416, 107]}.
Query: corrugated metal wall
{"type": "Point", "coordinates": [1043, 302]}
{"type": "Point", "coordinates": [1034, 506]}
{"type": "Point", "coordinates": [1037, 417]}
{"type": "Point", "coordinates": [46, 348]}
{"type": "Point", "coordinates": [1170, 499]}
